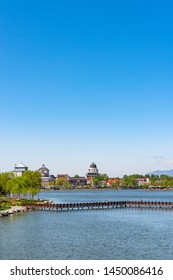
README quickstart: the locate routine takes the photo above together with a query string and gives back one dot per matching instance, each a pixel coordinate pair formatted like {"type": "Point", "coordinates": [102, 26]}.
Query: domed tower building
{"type": "Point", "coordinates": [92, 172]}
{"type": "Point", "coordinates": [46, 178]}
{"type": "Point", "coordinates": [44, 171]}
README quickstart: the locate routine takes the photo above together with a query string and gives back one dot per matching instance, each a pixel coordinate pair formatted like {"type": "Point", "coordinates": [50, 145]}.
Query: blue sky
{"type": "Point", "coordinates": [84, 81]}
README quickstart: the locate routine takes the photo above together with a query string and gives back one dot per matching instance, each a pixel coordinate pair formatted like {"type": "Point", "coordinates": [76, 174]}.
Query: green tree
{"type": "Point", "coordinates": [130, 181]}
{"type": "Point", "coordinates": [76, 176]}
{"type": "Point", "coordinates": [100, 180]}
{"type": "Point", "coordinates": [63, 183]}
{"type": "Point", "coordinates": [4, 178]}
{"type": "Point", "coordinates": [27, 184]}
{"type": "Point", "coordinates": [33, 182]}
{"type": "Point", "coordinates": [17, 186]}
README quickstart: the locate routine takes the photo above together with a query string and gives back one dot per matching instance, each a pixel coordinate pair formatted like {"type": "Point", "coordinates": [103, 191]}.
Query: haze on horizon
{"type": "Point", "coordinates": [83, 82]}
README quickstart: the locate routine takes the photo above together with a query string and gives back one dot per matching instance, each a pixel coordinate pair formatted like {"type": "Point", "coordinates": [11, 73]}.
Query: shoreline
{"type": "Point", "coordinates": [12, 210]}
{"type": "Point", "coordinates": [100, 189]}
{"type": "Point", "coordinates": [18, 209]}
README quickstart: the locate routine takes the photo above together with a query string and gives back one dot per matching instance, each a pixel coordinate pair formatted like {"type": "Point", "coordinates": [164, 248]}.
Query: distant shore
{"type": "Point", "coordinates": [105, 188]}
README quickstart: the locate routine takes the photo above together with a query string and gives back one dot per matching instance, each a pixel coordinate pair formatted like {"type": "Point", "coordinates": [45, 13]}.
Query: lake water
{"type": "Point", "coordinates": [91, 234]}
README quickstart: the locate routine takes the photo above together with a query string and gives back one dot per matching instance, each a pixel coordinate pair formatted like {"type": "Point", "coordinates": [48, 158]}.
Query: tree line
{"type": "Point", "coordinates": [27, 185]}
{"type": "Point", "coordinates": [130, 181]}
{"type": "Point", "coordinates": [127, 181]}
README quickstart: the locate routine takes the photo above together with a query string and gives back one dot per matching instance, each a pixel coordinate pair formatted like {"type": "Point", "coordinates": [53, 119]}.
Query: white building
{"type": "Point", "coordinates": [141, 181]}
{"type": "Point", "coordinates": [19, 169]}
{"type": "Point", "coordinates": [92, 172]}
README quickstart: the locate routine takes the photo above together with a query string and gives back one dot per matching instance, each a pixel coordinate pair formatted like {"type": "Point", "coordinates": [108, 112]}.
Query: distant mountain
{"type": "Point", "coordinates": [162, 172]}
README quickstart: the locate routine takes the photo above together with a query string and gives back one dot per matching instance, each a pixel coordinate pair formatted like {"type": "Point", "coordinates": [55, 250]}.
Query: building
{"type": "Point", "coordinates": [44, 171]}
{"type": "Point", "coordinates": [19, 169]}
{"type": "Point", "coordinates": [63, 177]}
{"type": "Point", "coordinates": [114, 181]}
{"type": "Point", "coordinates": [76, 181]}
{"type": "Point", "coordinates": [141, 181]}
{"type": "Point", "coordinates": [46, 178]}
{"type": "Point", "coordinates": [92, 172]}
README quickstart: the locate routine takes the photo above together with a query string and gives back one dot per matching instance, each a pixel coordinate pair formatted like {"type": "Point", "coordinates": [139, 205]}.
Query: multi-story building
{"type": "Point", "coordinates": [46, 178]}
{"type": "Point", "coordinates": [19, 169]}
{"type": "Point", "coordinates": [76, 181]}
{"type": "Point", "coordinates": [92, 172]}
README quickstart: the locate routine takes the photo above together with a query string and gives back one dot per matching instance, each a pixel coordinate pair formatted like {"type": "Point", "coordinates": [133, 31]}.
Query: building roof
{"type": "Point", "coordinates": [43, 168]}
{"type": "Point", "coordinates": [78, 178]}
{"type": "Point", "coordinates": [20, 165]}
{"type": "Point", "coordinates": [113, 180]}
{"type": "Point", "coordinates": [93, 165]}
{"type": "Point", "coordinates": [60, 176]}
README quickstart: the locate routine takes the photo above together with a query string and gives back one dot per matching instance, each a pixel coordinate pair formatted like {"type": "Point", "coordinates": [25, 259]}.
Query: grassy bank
{"type": "Point", "coordinates": [6, 202]}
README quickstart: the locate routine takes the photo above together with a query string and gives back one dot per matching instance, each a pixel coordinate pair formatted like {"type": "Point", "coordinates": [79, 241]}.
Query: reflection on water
{"type": "Point", "coordinates": [118, 233]}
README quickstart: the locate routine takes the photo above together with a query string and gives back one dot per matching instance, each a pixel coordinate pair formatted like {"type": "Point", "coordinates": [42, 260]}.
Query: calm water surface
{"type": "Point", "coordinates": [90, 234]}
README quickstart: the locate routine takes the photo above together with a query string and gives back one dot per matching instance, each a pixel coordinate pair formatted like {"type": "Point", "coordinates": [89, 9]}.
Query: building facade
{"type": "Point", "coordinates": [46, 178]}
{"type": "Point", "coordinates": [19, 169]}
{"type": "Point", "coordinates": [141, 181]}
{"type": "Point", "coordinates": [76, 181]}
{"type": "Point", "coordinates": [92, 172]}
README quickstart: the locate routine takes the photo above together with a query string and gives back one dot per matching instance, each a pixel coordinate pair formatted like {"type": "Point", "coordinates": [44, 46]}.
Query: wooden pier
{"type": "Point", "coordinates": [99, 205]}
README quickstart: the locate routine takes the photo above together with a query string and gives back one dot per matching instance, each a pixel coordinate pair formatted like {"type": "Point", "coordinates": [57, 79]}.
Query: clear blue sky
{"type": "Point", "coordinates": [84, 81]}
